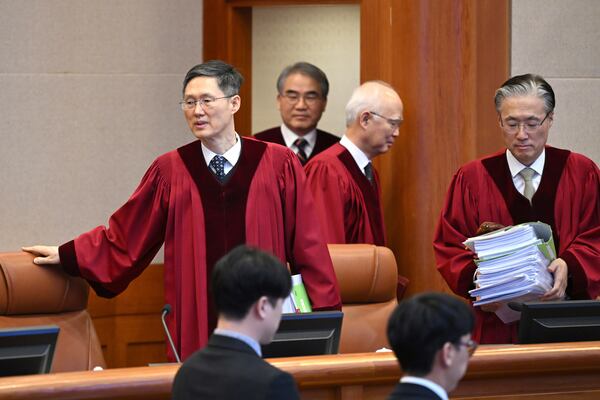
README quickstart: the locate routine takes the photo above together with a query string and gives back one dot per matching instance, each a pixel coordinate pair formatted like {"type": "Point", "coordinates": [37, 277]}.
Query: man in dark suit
{"type": "Point", "coordinates": [430, 334]}
{"type": "Point", "coordinates": [249, 287]}
{"type": "Point", "coordinates": [301, 99]}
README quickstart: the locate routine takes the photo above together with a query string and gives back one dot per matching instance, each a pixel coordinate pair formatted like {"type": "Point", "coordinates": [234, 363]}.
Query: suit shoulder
{"type": "Point", "coordinates": [328, 138]}
{"type": "Point", "coordinates": [269, 134]}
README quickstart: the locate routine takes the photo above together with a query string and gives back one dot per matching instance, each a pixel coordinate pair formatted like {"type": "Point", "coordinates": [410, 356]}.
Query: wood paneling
{"type": "Point", "coordinates": [445, 58]}
{"type": "Point", "coordinates": [129, 326]}
{"type": "Point", "coordinates": [550, 371]}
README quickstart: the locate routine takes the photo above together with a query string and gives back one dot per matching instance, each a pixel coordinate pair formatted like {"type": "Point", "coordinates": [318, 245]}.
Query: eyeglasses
{"type": "Point", "coordinates": [204, 102]}
{"type": "Point", "coordinates": [470, 344]}
{"type": "Point", "coordinates": [394, 123]}
{"type": "Point", "coordinates": [530, 126]}
{"type": "Point", "coordinates": [293, 97]}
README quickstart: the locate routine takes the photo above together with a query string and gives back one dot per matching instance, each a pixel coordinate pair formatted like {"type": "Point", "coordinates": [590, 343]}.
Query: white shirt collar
{"type": "Point", "coordinates": [516, 166]}
{"type": "Point", "coordinates": [437, 389]}
{"type": "Point", "coordinates": [240, 336]}
{"type": "Point", "coordinates": [290, 137]}
{"type": "Point", "coordinates": [232, 155]}
{"type": "Point", "coordinates": [360, 158]}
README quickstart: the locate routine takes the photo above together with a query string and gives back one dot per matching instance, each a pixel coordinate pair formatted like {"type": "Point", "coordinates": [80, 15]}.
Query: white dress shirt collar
{"type": "Point", "coordinates": [516, 166]}
{"type": "Point", "coordinates": [290, 137]}
{"type": "Point", "coordinates": [231, 156]}
{"type": "Point", "coordinates": [437, 389]}
{"type": "Point", "coordinates": [360, 158]}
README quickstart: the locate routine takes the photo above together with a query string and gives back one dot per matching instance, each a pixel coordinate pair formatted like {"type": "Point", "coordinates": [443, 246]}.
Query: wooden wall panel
{"type": "Point", "coordinates": [129, 326]}
{"type": "Point", "coordinates": [441, 54]}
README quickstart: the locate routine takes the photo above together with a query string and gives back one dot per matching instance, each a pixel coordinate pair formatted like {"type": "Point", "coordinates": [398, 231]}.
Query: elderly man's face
{"type": "Point", "coordinates": [208, 121]}
{"type": "Point", "coordinates": [524, 133]}
{"type": "Point", "coordinates": [301, 103]}
{"type": "Point", "coordinates": [383, 125]}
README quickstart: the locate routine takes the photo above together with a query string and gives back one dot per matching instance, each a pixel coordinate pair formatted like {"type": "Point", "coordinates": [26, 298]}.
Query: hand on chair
{"type": "Point", "coordinates": [45, 255]}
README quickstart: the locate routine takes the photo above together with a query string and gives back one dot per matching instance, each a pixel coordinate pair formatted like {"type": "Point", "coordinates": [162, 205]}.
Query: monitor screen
{"type": "Point", "coordinates": [306, 334]}
{"type": "Point", "coordinates": [28, 350]}
{"type": "Point", "coordinates": [559, 321]}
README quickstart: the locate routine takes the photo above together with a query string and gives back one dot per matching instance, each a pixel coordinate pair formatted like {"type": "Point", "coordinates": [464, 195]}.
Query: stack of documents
{"type": "Point", "coordinates": [512, 263]}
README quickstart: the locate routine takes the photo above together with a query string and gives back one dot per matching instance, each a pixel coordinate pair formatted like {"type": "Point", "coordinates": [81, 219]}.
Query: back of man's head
{"type": "Point", "coordinates": [420, 326]}
{"type": "Point", "coordinates": [243, 276]}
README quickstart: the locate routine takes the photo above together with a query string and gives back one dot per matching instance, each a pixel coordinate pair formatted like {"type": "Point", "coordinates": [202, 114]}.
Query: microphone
{"type": "Point", "coordinates": [167, 309]}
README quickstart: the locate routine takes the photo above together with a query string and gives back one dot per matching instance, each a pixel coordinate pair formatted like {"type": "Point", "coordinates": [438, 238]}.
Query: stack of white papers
{"type": "Point", "coordinates": [512, 263]}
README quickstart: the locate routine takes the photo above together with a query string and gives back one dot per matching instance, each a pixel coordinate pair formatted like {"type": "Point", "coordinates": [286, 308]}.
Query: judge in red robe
{"type": "Point", "coordinates": [566, 195]}
{"type": "Point", "coordinates": [302, 90]}
{"type": "Point", "coordinates": [201, 201]}
{"type": "Point", "coordinates": [344, 183]}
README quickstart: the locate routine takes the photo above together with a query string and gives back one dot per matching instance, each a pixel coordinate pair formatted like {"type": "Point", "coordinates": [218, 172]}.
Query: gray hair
{"type": "Point", "coordinates": [526, 85]}
{"type": "Point", "coordinates": [363, 99]}
{"type": "Point", "coordinates": [228, 78]}
{"type": "Point", "coordinates": [307, 69]}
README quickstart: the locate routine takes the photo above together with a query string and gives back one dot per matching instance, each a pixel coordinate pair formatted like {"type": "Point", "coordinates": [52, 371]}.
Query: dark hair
{"type": "Point", "coordinates": [244, 275]}
{"type": "Point", "coordinates": [525, 85]}
{"type": "Point", "coordinates": [421, 325]}
{"type": "Point", "coordinates": [228, 78]}
{"type": "Point", "coordinates": [307, 69]}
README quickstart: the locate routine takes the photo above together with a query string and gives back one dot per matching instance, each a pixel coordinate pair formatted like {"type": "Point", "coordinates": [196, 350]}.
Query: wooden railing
{"type": "Point", "coordinates": [552, 371]}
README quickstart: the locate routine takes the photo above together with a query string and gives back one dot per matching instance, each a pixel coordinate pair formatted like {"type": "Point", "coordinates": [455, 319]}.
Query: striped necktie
{"type": "Point", "coordinates": [301, 143]}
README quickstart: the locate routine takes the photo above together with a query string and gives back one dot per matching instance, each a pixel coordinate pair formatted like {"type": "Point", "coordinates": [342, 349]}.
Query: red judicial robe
{"type": "Point", "coordinates": [324, 139]}
{"type": "Point", "coordinates": [347, 203]}
{"type": "Point", "coordinates": [264, 203]}
{"type": "Point", "coordinates": [568, 199]}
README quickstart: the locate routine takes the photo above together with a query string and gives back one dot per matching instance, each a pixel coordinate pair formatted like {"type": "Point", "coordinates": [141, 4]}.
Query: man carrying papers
{"type": "Point", "coordinates": [527, 182]}
{"type": "Point", "coordinates": [512, 266]}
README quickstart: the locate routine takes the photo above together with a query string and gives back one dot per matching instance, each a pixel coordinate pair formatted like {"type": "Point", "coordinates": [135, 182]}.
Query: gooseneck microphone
{"type": "Point", "coordinates": [167, 309]}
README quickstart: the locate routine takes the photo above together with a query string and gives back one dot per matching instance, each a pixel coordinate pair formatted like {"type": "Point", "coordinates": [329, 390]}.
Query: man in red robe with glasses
{"type": "Point", "coordinates": [529, 181]}
{"type": "Point", "coordinates": [342, 178]}
{"type": "Point", "coordinates": [201, 201]}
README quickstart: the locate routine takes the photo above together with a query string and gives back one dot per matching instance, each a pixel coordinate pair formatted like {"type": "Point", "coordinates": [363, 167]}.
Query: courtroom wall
{"type": "Point", "coordinates": [89, 97]}
{"type": "Point", "coordinates": [561, 41]}
{"type": "Point", "coordinates": [327, 36]}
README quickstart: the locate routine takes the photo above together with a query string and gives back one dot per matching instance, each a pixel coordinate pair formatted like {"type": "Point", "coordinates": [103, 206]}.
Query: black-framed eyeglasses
{"type": "Point", "coordinates": [204, 102]}
{"type": "Point", "coordinates": [294, 97]}
{"type": "Point", "coordinates": [470, 344]}
{"type": "Point", "coordinates": [529, 126]}
{"type": "Point", "coordinates": [393, 122]}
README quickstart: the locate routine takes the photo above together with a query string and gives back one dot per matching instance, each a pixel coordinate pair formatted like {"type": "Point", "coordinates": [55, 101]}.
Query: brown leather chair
{"type": "Point", "coordinates": [32, 295]}
{"type": "Point", "coordinates": [370, 286]}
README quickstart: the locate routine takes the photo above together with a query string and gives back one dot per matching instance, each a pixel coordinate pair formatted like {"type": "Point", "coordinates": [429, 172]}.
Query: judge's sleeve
{"type": "Point", "coordinates": [458, 221]}
{"type": "Point", "coordinates": [328, 194]}
{"type": "Point", "coordinates": [306, 248]}
{"type": "Point", "coordinates": [582, 254]}
{"type": "Point", "coordinates": [110, 257]}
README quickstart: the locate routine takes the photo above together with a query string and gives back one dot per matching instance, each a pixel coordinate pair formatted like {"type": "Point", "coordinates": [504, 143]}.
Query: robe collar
{"type": "Point", "coordinates": [516, 166]}
{"type": "Point", "coordinates": [358, 155]}
{"type": "Point", "coordinates": [232, 155]}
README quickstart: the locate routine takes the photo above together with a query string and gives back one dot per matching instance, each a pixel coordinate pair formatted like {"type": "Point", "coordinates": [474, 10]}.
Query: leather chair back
{"type": "Point", "coordinates": [33, 295]}
{"type": "Point", "coordinates": [369, 286]}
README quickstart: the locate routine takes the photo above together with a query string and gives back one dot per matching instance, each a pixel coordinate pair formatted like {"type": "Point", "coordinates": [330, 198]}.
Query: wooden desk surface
{"type": "Point", "coordinates": [549, 371]}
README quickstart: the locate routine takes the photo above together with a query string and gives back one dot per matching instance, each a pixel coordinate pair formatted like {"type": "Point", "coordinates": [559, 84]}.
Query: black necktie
{"type": "Point", "coordinates": [217, 165]}
{"type": "Point", "coordinates": [301, 144]}
{"type": "Point", "coordinates": [369, 172]}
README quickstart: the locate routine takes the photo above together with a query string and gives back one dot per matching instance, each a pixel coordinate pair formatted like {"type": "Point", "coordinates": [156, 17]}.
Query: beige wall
{"type": "Point", "coordinates": [327, 36]}
{"type": "Point", "coordinates": [560, 40]}
{"type": "Point", "coordinates": [89, 93]}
